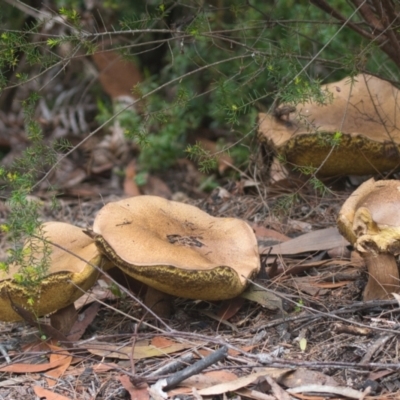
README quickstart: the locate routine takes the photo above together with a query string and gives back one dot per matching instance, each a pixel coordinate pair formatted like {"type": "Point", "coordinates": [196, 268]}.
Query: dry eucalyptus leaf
{"type": "Point", "coordinates": [242, 382]}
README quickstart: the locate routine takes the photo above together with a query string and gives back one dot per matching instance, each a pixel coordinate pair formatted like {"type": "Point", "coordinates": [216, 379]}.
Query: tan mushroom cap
{"type": "Point", "coordinates": [366, 114]}
{"type": "Point", "coordinates": [177, 248]}
{"type": "Point", "coordinates": [370, 217]}
{"type": "Point", "coordinates": [370, 220]}
{"type": "Point", "coordinates": [68, 277]}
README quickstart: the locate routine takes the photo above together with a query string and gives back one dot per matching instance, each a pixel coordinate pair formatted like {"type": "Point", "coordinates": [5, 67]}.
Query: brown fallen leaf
{"type": "Point", "coordinates": [342, 391]}
{"type": "Point", "coordinates": [61, 355]}
{"type": "Point", "coordinates": [374, 375]}
{"type": "Point", "coordinates": [305, 397]}
{"type": "Point", "coordinates": [143, 349]}
{"type": "Point", "coordinates": [48, 395]}
{"type": "Point", "coordinates": [64, 318]}
{"type": "Point", "coordinates": [235, 353]}
{"type": "Point", "coordinates": [156, 187]}
{"type": "Point", "coordinates": [83, 190]}
{"type": "Point", "coordinates": [303, 376]}
{"type": "Point", "coordinates": [330, 285]}
{"type": "Point", "coordinates": [229, 308]}
{"type": "Point", "coordinates": [303, 284]}
{"type": "Point", "coordinates": [136, 392]}
{"type": "Point", "coordinates": [162, 342]}
{"type": "Point", "coordinates": [340, 252]}
{"type": "Point", "coordinates": [323, 239]}
{"type": "Point", "coordinates": [21, 368]}
{"type": "Point", "coordinates": [263, 232]}
{"type": "Point", "coordinates": [96, 292]}
{"type": "Point", "coordinates": [172, 394]}
{"type": "Point", "coordinates": [130, 186]}
{"type": "Point", "coordinates": [267, 299]}
{"type": "Point", "coordinates": [276, 390]}
{"type": "Point", "coordinates": [117, 76]}
{"type": "Point", "coordinates": [85, 319]}
{"type": "Point", "coordinates": [242, 382]}
{"type": "Point", "coordinates": [201, 381]}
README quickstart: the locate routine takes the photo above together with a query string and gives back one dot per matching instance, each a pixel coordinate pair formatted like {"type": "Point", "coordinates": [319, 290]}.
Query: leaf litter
{"type": "Point", "coordinates": [308, 294]}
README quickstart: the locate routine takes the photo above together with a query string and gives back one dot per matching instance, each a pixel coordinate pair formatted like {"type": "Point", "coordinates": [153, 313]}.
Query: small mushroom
{"type": "Point", "coordinates": [67, 279]}
{"type": "Point", "coordinates": [370, 221]}
{"type": "Point", "coordinates": [177, 248]}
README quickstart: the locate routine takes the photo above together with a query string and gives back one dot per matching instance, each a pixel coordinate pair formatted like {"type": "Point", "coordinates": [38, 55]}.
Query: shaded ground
{"type": "Point", "coordinates": [317, 326]}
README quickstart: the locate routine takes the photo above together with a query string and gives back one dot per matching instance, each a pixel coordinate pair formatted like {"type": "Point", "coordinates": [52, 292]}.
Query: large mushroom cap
{"type": "Point", "coordinates": [67, 279]}
{"type": "Point", "coordinates": [370, 220]}
{"type": "Point", "coordinates": [361, 121]}
{"type": "Point", "coordinates": [177, 248]}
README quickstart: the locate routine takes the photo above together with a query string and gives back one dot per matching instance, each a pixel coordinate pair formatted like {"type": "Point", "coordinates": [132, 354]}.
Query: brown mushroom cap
{"type": "Point", "coordinates": [365, 113]}
{"type": "Point", "coordinates": [68, 277]}
{"type": "Point", "coordinates": [177, 248]}
{"type": "Point", "coordinates": [370, 220]}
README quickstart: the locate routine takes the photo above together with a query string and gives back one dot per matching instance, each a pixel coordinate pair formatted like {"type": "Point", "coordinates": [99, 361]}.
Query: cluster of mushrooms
{"type": "Point", "coordinates": [180, 250]}
{"type": "Point", "coordinates": [172, 247]}
{"type": "Point", "coordinates": [356, 131]}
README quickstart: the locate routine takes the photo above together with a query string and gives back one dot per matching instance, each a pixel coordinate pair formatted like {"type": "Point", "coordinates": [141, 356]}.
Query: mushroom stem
{"type": "Point", "coordinates": [64, 318]}
{"type": "Point", "coordinates": [383, 276]}
{"type": "Point", "coordinates": [159, 302]}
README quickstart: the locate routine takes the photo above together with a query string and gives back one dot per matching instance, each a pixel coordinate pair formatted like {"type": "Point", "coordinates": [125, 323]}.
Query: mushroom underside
{"type": "Point", "coordinates": [177, 248]}
{"type": "Point", "coordinates": [370, 220]}
{"type": "Point", "coordinates": [71, 270]}
{"type": "Point", "coordinates": [218, 283]}
{"type": "Point", "coordinates": [56, 291]}
{"type": "Point", "coordinates": [356, 131]}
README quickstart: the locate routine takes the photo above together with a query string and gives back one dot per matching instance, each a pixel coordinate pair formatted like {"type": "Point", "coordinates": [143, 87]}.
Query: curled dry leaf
{"type": "Point", "coordinates": [243, 381]}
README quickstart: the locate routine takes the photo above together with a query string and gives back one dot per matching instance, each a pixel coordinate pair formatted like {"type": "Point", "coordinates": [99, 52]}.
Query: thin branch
{"type": "Point", "coordinates": [369, 16]}
{"type": "Point", "coordinates": [323, 5]}
{"type": "Point", "coordinates": [390, 11]}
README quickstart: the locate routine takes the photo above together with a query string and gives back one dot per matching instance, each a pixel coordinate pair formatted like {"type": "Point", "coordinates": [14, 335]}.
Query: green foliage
{"type": "Point", "coordinates": [299, 306]}
{"type": "Point", "coordinates": [317, 184]}
{"type": "Point", "coordinates": [284, 204]}
{"type": "Point", "coordinates": [141, 178]}
{"type": "Point", "coordinates": [203, 157]}
{"type": "Point", "coordinates": [332, 140]}
{"type": "Point", "coordinates": [23, 228]}
{"type": "Point", "coordinates": [72, 16]}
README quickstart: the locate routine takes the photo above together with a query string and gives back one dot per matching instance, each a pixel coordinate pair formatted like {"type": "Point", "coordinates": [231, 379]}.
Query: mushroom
{"type": "Point", "coordinates": [67, 279]}
{"type": "Point", "coordinates": [177, 248]}
{"type": "Point", "coordinates": [370, 221]}
{"type": "Point", "coordinates": [355, 132]}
